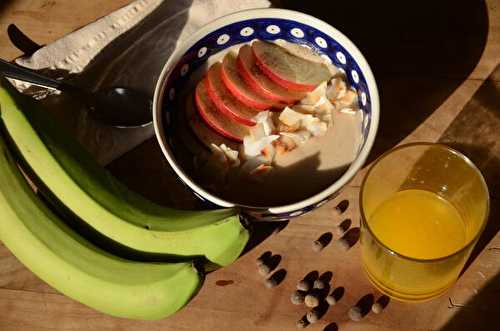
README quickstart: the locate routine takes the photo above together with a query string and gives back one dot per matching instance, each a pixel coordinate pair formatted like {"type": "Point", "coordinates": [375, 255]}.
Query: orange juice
{"type": "Point", "coordinates": [419, 225]}
{"type": "Point", "coordinates": [423, 207]}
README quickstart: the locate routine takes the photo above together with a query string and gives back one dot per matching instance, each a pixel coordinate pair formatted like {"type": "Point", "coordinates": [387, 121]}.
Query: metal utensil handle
{"type": "Point", "coordinates": [27, 75]}
{"type": "Point", "coordinates": [21, 40]}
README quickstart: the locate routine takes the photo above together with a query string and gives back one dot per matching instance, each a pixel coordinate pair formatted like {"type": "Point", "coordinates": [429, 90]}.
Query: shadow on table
{"type": "Point", "coordinates": [480, 313]}
{"type": "Point", "coordinates": [135, 58]}
{"type": "Point", "coordinates": [476, 133]}
{"type": "Point", "coordinates": [419, 51]}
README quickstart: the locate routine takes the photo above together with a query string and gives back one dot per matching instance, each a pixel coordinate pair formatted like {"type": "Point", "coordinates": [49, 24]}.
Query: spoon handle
{"type": "Point", "coordinates": [21, 41]}
{"type": "Point", "coordinates": [27, 75]}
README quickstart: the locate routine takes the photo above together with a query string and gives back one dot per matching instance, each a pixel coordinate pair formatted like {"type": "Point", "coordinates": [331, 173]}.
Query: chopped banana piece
{"type": "Point", "coordinates": [231, 155]}
{"type": "Point", "coordinates": [285, 144]}
{"type": "Point", "coordinates": [257, 131]}
{"type": "Point", "coordinates": [312, 98]}
{"type": "Point", "coordinates": [282, 127]}
{"type": "Point", "coordinates": [315, 126]}
{"type": "Point", "coordinates": [223, 155]}
{"type": "Point", "coordinates": [304, 109]}
{"type": "Point", "coordinates": [348, 100]}
{"type": "Point", "coordinates": [218, 154]}
{"type": "Point", "coordinates": [251, 164]}
{"type": "Point", "coordinates": [290, 117]}
{"type": "Point", "coordinates": [336, 89]}
{"type": "Point", "coordinates": [262, 169]}
{"type": "Point", "coordinates": [254, 148]}
{"type": "Point", "coordinates": [264, 118]}
{"type": "Point", "coordinates": [325, 106]}
{"type": "Point", "coordinates": [269, 152]}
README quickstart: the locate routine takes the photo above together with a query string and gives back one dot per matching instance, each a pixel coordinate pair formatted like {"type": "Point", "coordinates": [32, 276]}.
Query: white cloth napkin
{"type": "Point", "coordinates": [126, 48]}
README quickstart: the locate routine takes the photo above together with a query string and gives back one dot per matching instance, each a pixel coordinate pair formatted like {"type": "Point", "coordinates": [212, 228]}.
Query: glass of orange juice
{"type": "Point", "coordinates": [423, 208]}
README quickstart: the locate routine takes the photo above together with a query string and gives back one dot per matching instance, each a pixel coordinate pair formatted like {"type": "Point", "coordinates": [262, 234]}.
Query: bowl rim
{"type": "Point", "coordinates": [287, 14]}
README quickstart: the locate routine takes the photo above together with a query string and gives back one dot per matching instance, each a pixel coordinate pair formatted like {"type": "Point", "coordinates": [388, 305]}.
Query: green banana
{"type": "Point", "coordinates": [63, 259]}
{"type": "Point", "coordinates": [106, 205]}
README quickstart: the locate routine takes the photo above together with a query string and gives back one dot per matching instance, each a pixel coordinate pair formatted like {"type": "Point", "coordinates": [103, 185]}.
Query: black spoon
{"type": "Point", "coordinates": [120, 107]}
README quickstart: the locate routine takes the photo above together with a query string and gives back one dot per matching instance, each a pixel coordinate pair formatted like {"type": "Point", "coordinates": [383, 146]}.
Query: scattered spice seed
{"type": "Point", "coordinates": [263, 258]}
{"type": "Point", "coordinates": [319, 284]}
{"type": "Point", "coordinates": [264, 269]}
{"type": "Point", "coordinates": [377, 308]}
{"type": "Point", "coordinates": [339, 230]}
{"type": "Point", "coordinates": [303, 285]}
{"type": "Point", "coordinates": [312, 316]}
{"type": "Point", "coordinates": [343, 244]}
{"type": "Point", "coordinates": [297, 297]}
{"type": "Point", "coordinates": [271, 282]}
{"type": "Point", "coordinates": [343, 227]}
{"type": "Point", "coordinates": [331, 300]}
{"type": "Point", "coordinates": [337, 211]}
{"type": "Point", "coordinates": [317, 246]}
{"type": "Point", "coordinates": [341, 207]}
{"type": "Point", "coordinates": [355, 314]}
{"type": "Point", "coordinates": [311, 301]}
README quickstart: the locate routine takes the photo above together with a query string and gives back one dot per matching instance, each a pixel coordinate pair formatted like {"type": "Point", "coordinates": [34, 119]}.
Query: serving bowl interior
{"type": "Point", "coordinates": [190, 61]}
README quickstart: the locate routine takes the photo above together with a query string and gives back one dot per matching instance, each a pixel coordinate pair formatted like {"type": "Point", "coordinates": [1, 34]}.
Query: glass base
{"type": "Point", "coordinates": [405, 297]}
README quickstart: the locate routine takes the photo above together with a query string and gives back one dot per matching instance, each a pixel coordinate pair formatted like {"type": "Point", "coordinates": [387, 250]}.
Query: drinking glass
{"type": "Point", "coordinates": [437, 169]}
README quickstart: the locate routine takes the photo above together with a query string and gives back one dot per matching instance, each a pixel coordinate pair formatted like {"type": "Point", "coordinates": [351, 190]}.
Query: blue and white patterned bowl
{"type": "Point", "coordinates": [266, 24]}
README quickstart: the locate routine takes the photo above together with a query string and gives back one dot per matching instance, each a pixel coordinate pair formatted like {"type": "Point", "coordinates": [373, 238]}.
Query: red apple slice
{"type": "Point", "coordinates": [225, 101]}
{"type": "Point", "coordinates": [258, 81]}
{"type": "Point", "coordinates": [203, 133]}
{"type": "Point", "coordinates": [240, 89]}
{"type": "Point", "coordinates": [288, 70]}
{"type": "Point", "coordinates": [214, 119]}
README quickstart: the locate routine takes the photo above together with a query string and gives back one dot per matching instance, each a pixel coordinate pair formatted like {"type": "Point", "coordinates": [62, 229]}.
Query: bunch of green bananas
{"type": "Point", "coordinates": [76, 185]}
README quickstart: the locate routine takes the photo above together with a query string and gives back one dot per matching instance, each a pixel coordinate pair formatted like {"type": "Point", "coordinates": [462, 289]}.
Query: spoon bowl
{"type": "Point", "coordinates": [121, 107]}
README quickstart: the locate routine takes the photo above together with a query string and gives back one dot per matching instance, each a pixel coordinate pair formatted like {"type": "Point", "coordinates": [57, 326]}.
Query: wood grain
{"type": "Point", "coordinates": [48, 20]}
{"type": "Point", "coordinates": [439, 104]}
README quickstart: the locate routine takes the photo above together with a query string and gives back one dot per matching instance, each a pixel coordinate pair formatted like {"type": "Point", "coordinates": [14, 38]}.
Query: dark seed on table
{"type": "Point", "coordinates": [303, 285]}
{"type": "Point", "coordinates": [271, 282]}
{"type": "Point", "coordinates": [311, 301]}
{"type": "Point", "coordinates": [263, 258]}
{"type": "Point", "coordinates": [317, 246]}
{"type": "Point", "coordinates": [319, 284]}
{"type": "Point", "coordinates": [312, 316]}
{"type": "Point", "coordinates": [341, 207]}
{"type": "Point", "coordinates": [342, 227]}
{"type": "Point", "coordinates": [355, 313]}
{"type": "Point", "coordinates": [380, 304]}
{"type": "Point", "coordinates": [264, 269]}
{"type": "Point", "coordinates": [331, 300]}
{"type": "Point", "coordinates": [297, 297]}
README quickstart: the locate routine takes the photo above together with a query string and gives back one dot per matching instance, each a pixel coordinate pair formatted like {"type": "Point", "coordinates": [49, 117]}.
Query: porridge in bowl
{"type": "Point", "coordinates": [268, 123]}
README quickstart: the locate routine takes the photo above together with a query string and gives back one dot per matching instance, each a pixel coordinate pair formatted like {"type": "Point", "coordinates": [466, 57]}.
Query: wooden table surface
{"type": "Point", "coordinates": [437, 67]}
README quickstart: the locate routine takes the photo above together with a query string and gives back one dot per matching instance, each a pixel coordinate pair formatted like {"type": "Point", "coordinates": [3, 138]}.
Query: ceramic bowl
{"type": "Point", "coordinates": [265, 24]}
